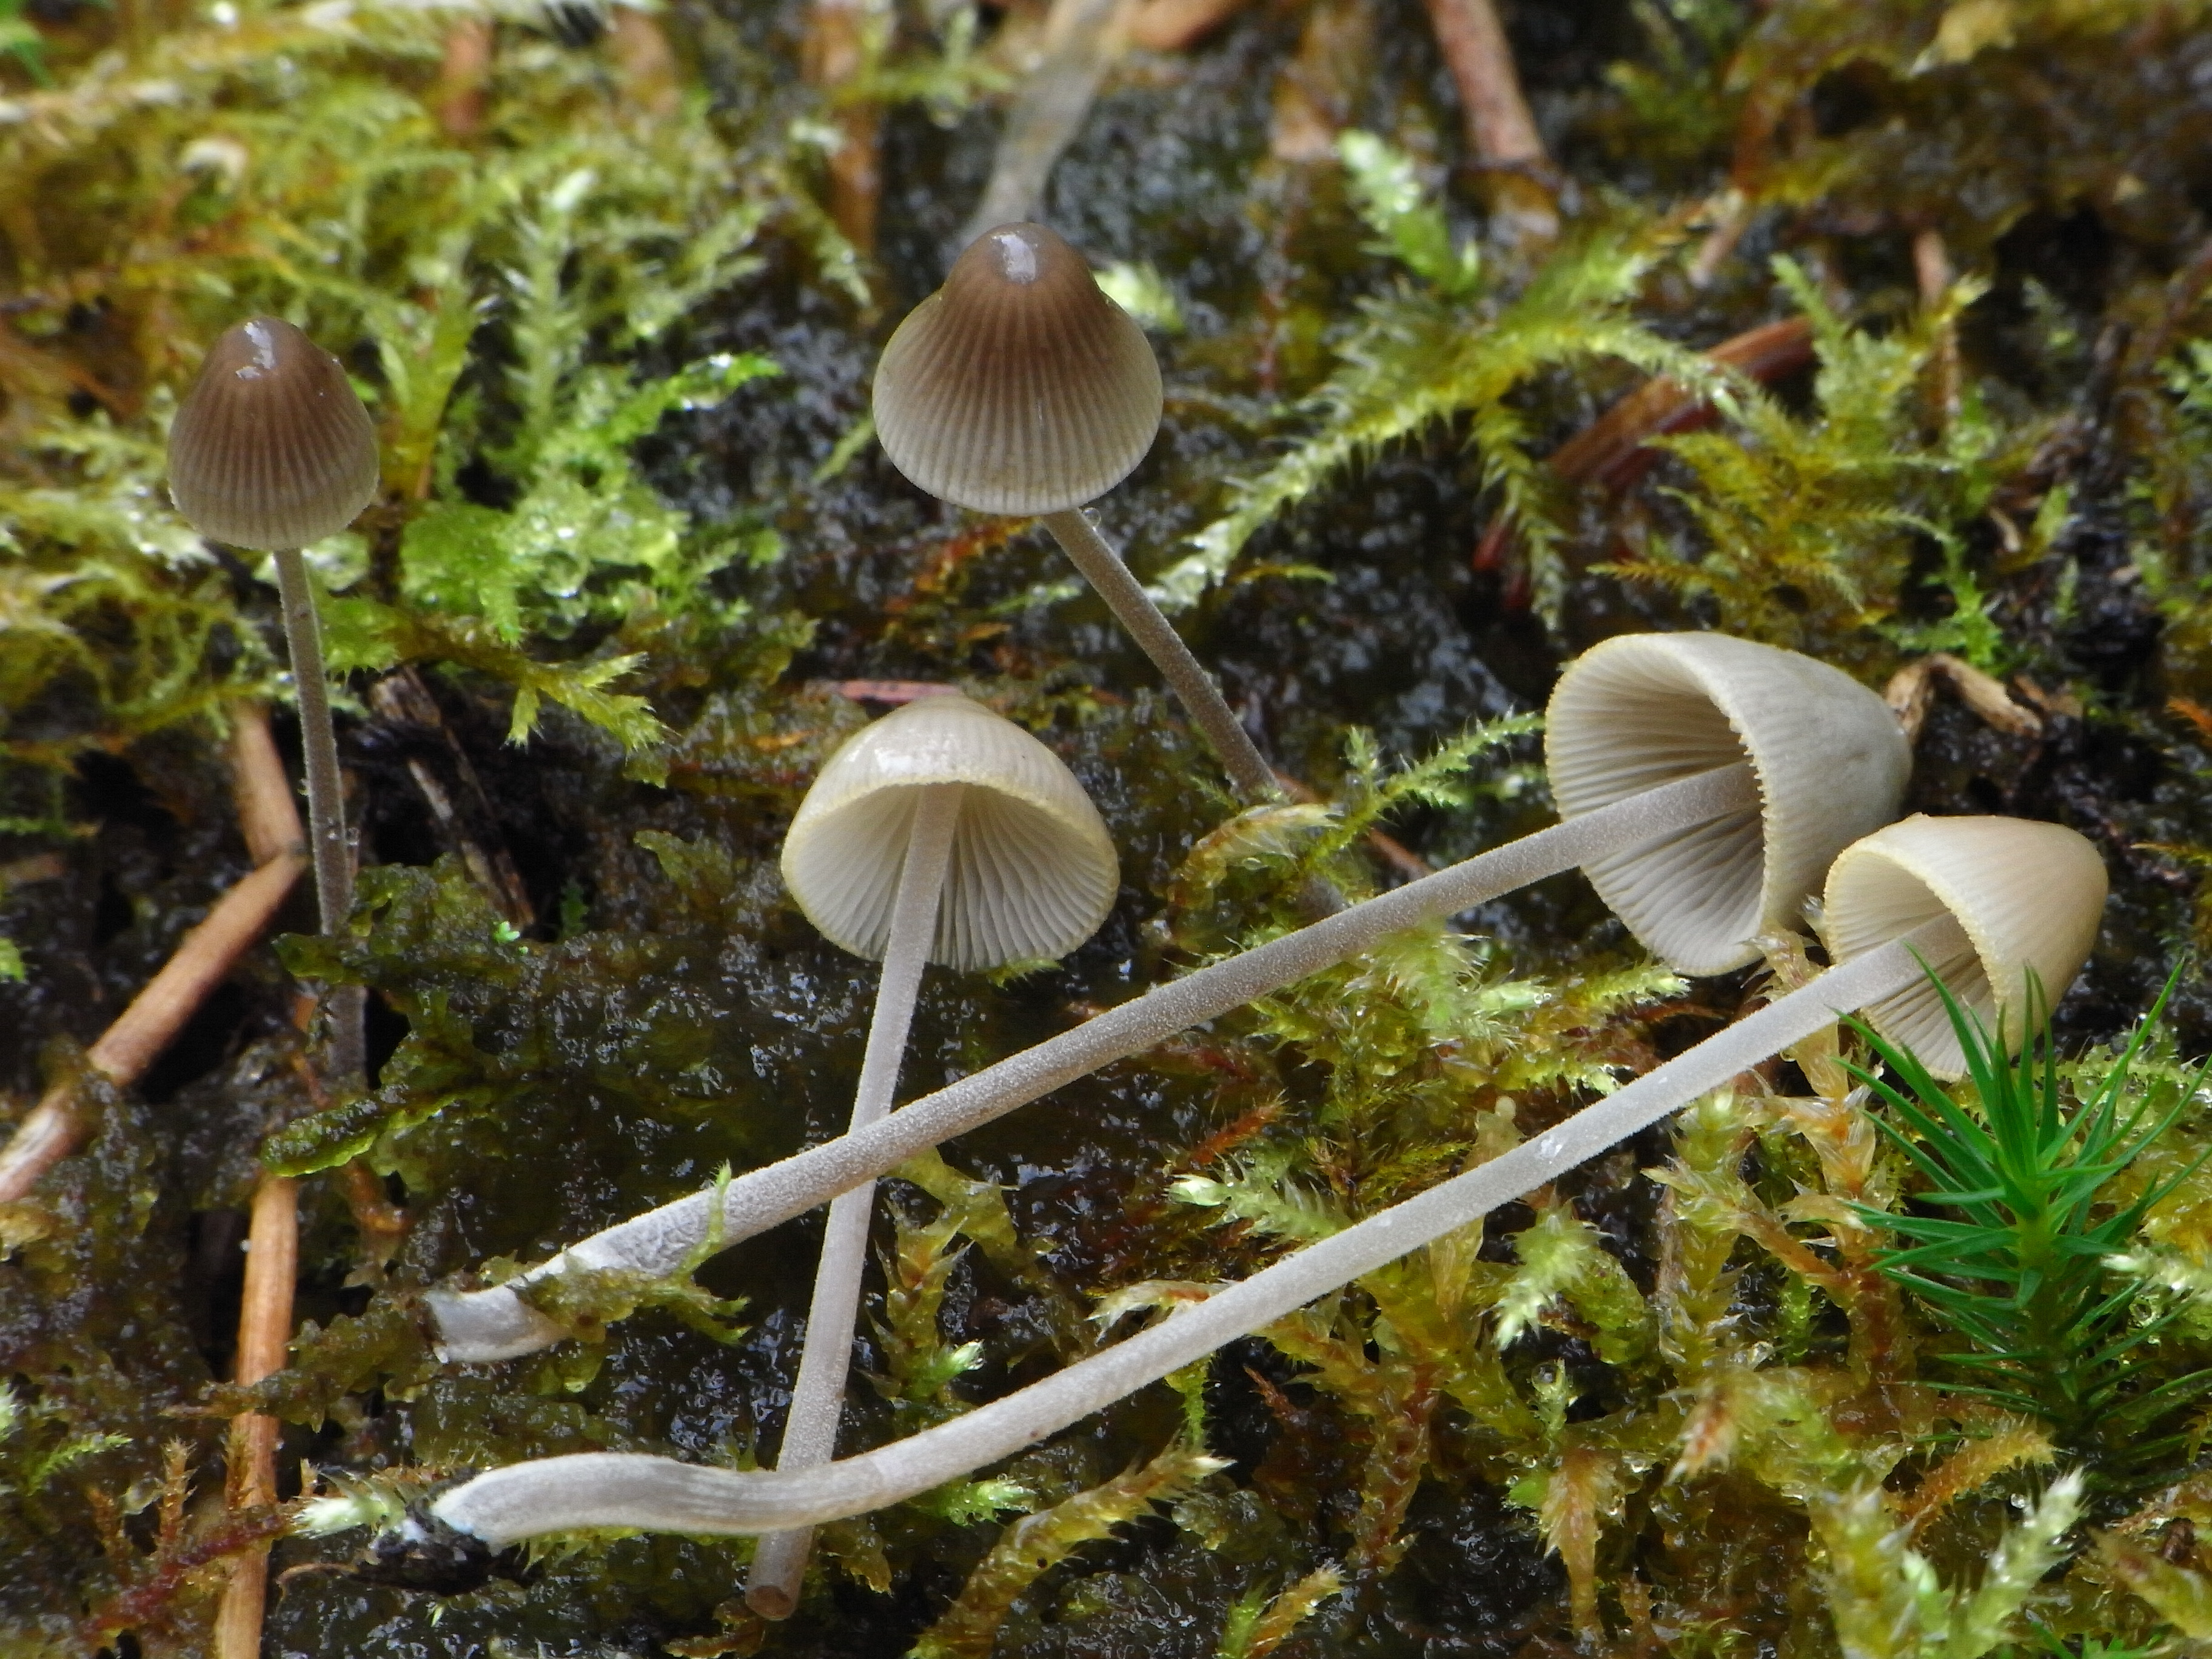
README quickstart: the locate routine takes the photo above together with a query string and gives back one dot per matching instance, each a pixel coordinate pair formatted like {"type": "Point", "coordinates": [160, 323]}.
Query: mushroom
{"type": "Point", "coordinates": [1020, 388]}
{"type": "Point", "coordinates": [271, 450]}
{"type": "Point", "coordinates": [1710, 778]}
{"type": "Point", "coordinates": [1973, 923]}
{"type": "Point", "coordinates": [945, 834]}
{"type": "Point", "coordinates": [1997, 876]}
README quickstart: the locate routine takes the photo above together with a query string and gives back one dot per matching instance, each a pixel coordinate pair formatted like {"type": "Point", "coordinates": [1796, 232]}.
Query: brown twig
{"type": "Point", "coordinates": [1932, 273]}
{"type": "Point", "coordinates": [463, 77]}
{"type": "Point", "coordinates": [269, 819]}
{"type": "Point", "coordinates": [154, 1017]}
{"type": "Point", "coordinates": [1612, 451]}
{"type": "Point", "coordinates": [1499, 128]}
{"type": "Point", "coordinates": [835, 51]}
{"type": "Point", "coordinates": [1177, 25]}
{"type": "Point", "coordinates": [264, 1335]}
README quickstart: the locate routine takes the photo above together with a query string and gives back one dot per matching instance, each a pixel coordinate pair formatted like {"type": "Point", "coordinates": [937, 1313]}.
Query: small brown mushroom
{"type": "Point", "coordinates": [1020, 388]}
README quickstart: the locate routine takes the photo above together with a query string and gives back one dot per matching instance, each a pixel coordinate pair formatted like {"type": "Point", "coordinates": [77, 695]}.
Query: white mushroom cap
{"type": "Point", "coordinates": [271, 447]}
{"type": "Point", "coordinates": [1646, 709]}
{"type": "Point", "coordinates": [1018, 386]}
{"type": "Point", "coordinates": [2028, 895]}
{"type": "Point", "coordinates": [1033, 871]}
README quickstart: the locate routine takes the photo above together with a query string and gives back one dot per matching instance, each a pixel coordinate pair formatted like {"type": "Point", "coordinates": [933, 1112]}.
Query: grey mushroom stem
{"type": "Point", "coordinates": [817, 1400]}
{"type": "Point", "coordinates": [499, 1324]}
{"type": "Point", "coordinates": [1125, 596]}
{"type": "Point", "coordinates": [326, 826]}
{"type": "Point", "coordinates": [659, 1494]}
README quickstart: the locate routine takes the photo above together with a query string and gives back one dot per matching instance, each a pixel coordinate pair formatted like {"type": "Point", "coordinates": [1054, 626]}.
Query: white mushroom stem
{"type": "Point", "coordinates": [817, 1399]}
{"type": "Point", "coordinates": [498, 1324]}
{"type": "Point", "coordinates": [1125, 596]}
{"type": "Point", "coordinates": [601, 1489]}
{"type": "Point", "coordinates": [326, 829]}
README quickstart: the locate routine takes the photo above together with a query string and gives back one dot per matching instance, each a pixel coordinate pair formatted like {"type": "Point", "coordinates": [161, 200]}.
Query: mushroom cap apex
{"type": "Point", "coordinates": [1017, 387]}
{"type": "Point", "coordinates": [1032, 874]}
{"type": "Point", "coordinates": [271, 447]}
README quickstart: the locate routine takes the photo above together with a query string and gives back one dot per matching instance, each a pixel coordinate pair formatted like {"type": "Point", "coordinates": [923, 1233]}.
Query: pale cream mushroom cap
{"type": "Point", "coordinates": [1646, 709]}
{"type": "Point", "coordinates": [1018, 386]}
{"type": "Point", "coordinates": [1032, 874]}
{"type": "Point", "coordinates": [2028, 895]}
{"type": "Point", "coordinates": [271, 447]}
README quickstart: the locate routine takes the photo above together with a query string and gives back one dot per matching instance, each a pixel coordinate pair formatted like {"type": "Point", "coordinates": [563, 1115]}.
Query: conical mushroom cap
{"type": "Point", "coordinates": [1646, 709]}
{"type": "Point", "coordinates": [1032, 874]}
{"type": "Point", "coordinates": [1018, 386]}
{"type": "Point", "coordinates": [2028, 895]}
{"type": "Point", "coordinates": [271, 448]}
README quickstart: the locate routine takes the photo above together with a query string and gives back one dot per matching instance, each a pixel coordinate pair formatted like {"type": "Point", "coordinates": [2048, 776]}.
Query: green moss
{"type": "Point", "coordinates": [635, 535]}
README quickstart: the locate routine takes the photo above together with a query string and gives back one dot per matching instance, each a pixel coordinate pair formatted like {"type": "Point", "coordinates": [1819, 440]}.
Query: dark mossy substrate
{"type": "Point", "coordinates": [677, 1024]}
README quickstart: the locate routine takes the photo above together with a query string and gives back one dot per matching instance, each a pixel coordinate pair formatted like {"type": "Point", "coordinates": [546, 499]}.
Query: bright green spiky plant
{"type": "Point", "coordinates": [2021, 1216]}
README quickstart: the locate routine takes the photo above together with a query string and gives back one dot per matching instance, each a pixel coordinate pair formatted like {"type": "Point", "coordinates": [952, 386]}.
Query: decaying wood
{"type": "Point", "coordinates": [464, 812]}
{"type": "Point", "coordinates": [1912, 688]}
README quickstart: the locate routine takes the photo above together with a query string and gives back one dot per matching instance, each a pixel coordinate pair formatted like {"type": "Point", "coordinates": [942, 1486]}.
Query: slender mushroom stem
{"type": "Point", "coordinates": [497, 1324]}
{"type": "Point", "coordinates": [1126, 597]}
{"type": "Point", "coordinates": [659, 1494]}
{"type": "Point", "coordinates": [326, 830]}
{"type": "Point", "coordinates": [817, 1400]}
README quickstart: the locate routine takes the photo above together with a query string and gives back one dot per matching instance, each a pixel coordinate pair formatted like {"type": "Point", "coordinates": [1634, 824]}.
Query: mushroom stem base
{"type": "Point", "coordinates": [1125, 596]}
{"type": "Point", "coordinates": [614, 1490]}
{"type": "Point", "coordinates": [817, 1399]}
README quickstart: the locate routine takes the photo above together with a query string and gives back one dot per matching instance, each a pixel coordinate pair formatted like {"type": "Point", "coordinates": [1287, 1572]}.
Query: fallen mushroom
{"type": "Point", "coordinates": [1995, 901]}
{"type": "Point", "coordinates": [941, 833]}
{"type": "Point", "coordinates": [1020, 388]}
{"type": "Point", "coordinates": [1706, 782]}
{"type": "Point", "coordinates": [271, 450]}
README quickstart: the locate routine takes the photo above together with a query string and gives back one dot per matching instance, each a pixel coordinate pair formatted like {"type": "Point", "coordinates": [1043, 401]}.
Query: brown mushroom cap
{"type": "Point", "coordinates": [1018, 386]}
{"type": "Point", "coordinates": [271, 448]}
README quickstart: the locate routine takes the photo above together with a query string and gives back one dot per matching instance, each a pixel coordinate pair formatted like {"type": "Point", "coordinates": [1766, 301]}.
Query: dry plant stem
{"type": "Point", "coordinates": [817, 1399]}
{"type": "Point", "coordinates": [659, 1494]}
{"type": "Point", "coordinates": [326, 830]}
{"type": "Point", "coordinates": [266, 817]}
{"type": "Point", "coordinates": [1125, 596]}
{"type": "Point", "coordinates": [154, 1017]}
{"type": "Point", "coordinates": [497, 1324]}
{"type": "Point", "coordinates": [270, 824]}
{"type": "Point", "coordinates": [1498, 124]}
{"type": "Point", "coordinates": [264, 1335]}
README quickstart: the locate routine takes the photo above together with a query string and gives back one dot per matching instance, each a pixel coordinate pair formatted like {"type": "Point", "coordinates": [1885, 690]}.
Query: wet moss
{"type": "Point", "coordinates": [1699, 1380]}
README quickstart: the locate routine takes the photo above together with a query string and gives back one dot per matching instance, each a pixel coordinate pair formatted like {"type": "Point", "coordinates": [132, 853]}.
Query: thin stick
{"type": "Point", "coordinates": [154, 1017]}
{"type": "Point", "coordinates": [817, 1399]}
{"type": "Point", "coordinates": [264, 1335]}
{"type": "Point", "coordinates": [1132, 607]}
{"type": "Point", "coordinates": [613, 1490]}
{"type": "Point", "coordinates": [270, 823]}
{"type": "Point", "coordinates": [326, 837]}
{"type": "Point", "coordinates": [1498, 124]}
{"type": "Point", "coordinates": [497, 1324]}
